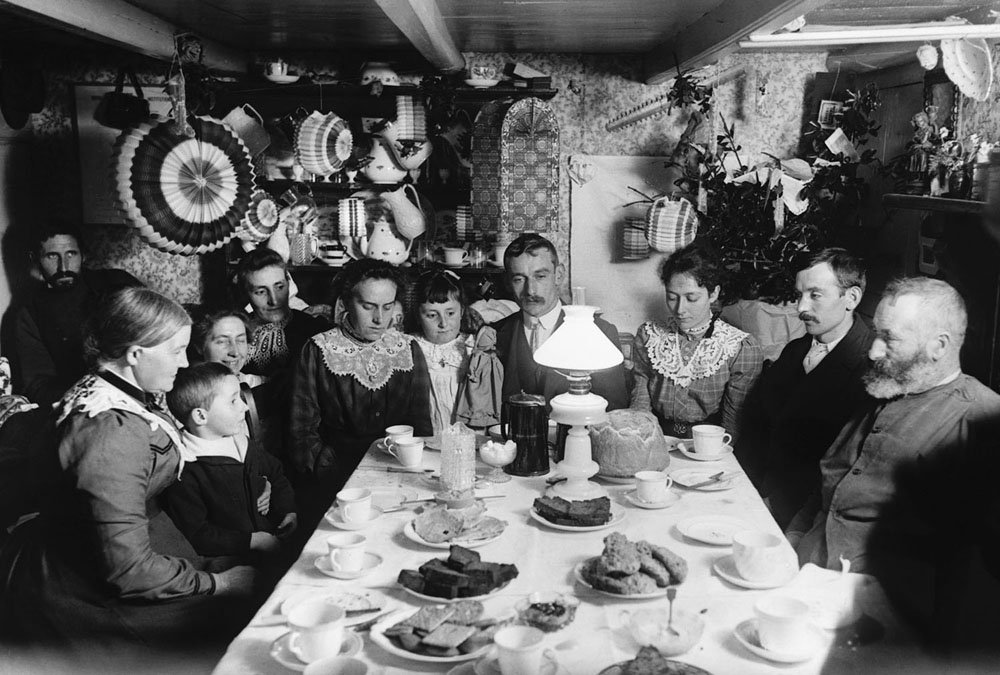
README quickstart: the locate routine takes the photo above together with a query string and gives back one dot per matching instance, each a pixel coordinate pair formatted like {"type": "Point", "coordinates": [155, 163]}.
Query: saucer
{"type": "Point", "coordinates": [671, 499]}
{"type": "Point", "coordinates": [714, 530]}
{"type": "Point", "coordinates": [458, 266]}
{"type": "Point", "coordinates": [283, 79]}
{"type": "Point", "coordinates": [482, 84]}
{"type": "Point", "coordinates": [493, 263]}
{"type": "Point", "coordinates": [725, 567]}
{"type": "Point", "coordinates": [688, 478]}
{"type": "Point", "coordinates": [334, 518]}
{"type": "Point", "coordinates": [702, 457]}
{"type": "Point", "coordinates": [746, 633]}
{"type": "Point", "coordinates": [371, 562]}
{"type": "Point", "coordinates": [283, 654]}
{"type": "Point", "coordinates": [490, 665]}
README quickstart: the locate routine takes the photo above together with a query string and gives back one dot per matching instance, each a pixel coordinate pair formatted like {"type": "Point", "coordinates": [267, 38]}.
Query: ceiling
{"type": "Point", "coordinates": [418, 32]}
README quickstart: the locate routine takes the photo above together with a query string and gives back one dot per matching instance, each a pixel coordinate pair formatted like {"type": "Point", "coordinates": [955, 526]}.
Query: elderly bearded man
{"type": "Point", "coordinates": [898, 495]}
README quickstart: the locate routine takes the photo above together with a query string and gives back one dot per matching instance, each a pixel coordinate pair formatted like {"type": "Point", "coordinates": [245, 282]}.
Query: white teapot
{"type": "Point", "coordinates": [382, 167]}
{"type": "Point", "coordinates": [386, 244]}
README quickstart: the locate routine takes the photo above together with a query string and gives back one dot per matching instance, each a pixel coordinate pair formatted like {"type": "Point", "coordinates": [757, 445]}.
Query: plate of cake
{"type": "Point", "coordinates": [586, 515]}
{"type": "Point", "coordinates": [437, 633]}
{"type": "Point", "coordinates": [439, 526]}
{"type": "Point", "coordinates": [634, 570]}
{"type": "Point", "coordinates": [462, 575]}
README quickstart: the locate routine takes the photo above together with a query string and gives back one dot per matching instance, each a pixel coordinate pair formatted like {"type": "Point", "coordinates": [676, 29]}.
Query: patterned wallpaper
{"type": "Point", "coordinates": [984, 117]}
{"type": "Point", "coordinates": [764, 100]}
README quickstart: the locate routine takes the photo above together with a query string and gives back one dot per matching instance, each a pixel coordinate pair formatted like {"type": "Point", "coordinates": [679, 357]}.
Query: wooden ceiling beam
{"type": "Point", "coordinates": [719, 32]}
{"type": "Point", "coordinates": [423, 25]}
{"type": "Point", "coordinates": [119, 23]}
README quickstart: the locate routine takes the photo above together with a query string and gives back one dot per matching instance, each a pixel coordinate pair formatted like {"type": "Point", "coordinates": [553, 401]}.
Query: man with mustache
{"type": "Point", "coordinates": [806, 396]}
{"type": "Point", "coordinates": [535, 275]}
{"type": "Point", "coordinates": [49, 325]}
{"type": "Point", "coordinates": [903, 494]}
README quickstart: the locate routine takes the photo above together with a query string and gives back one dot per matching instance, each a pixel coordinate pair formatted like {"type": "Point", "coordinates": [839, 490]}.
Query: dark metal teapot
{"type": "Point", "coordinates": [524, 419]}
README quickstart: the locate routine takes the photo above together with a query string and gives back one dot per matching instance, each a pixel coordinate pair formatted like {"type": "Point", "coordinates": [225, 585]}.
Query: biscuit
{"type": "Point", "coordinates": [676, 565]}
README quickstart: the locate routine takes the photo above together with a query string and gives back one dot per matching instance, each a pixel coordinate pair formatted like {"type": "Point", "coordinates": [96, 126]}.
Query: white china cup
{"type": "Point", "coordinates": [277, 68]}
{"type": "Point", "coordinates": [337, 665]}
{"type": "Point", "coordinates": [347, 552]}
{"type": "Point", "coordinates": [317, 629]}
{"type": "Point", "coordinates": [455, 256]}
{"type": "Point", "coordinates": [355, 505]}
{"type": "Point", "coordinates": [782, 624]}
{"type": "Point", "coordinates": [397, 432]}
{"type": "Point", "coordinates": [709, 439]}
{"type": "Point", "coordinates": [760, 556]}
{"type": "Point", "coordinates": [409, 451]}
{"type": "Point", "coordinates": [651, 486]}
{"type": "Point", "coordinates": [520, 650]}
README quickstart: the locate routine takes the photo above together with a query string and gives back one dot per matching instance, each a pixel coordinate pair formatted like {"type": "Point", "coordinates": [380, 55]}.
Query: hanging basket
{"type": "Point", "coordinates": [671, 223]}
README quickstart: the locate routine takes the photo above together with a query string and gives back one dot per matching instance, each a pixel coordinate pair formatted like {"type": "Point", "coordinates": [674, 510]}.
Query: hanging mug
{"type": "Point", "coordinates": [303, 248]}
{"type": "Point", "coordinates": [249, 126]}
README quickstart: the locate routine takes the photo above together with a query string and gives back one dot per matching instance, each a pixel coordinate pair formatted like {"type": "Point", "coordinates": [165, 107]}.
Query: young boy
{"type": "Point", "coordinates": [232, 496]}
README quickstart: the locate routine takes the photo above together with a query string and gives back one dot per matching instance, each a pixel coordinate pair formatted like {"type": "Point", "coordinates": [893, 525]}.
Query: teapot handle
{"type": "Point", "coordinates": [252, 112]}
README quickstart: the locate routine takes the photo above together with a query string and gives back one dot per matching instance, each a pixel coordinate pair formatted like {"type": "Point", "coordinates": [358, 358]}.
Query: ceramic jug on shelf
{"type": "Point", "coordinates": [409, 218]}
{"type": "Point", "coordinates": [382, 167]}
{"type": "Point", "coordinates": [386, 244]}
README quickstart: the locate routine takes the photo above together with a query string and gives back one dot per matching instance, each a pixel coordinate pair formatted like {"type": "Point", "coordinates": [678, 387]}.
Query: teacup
{"type": "Point", "coordinates": [409, 451]}
{"type": "Point", "coordinates": [455, 256]}
{"type": "Point", "coordinates": [397, 433]}
{"type": "Point", "coordinates": [276, 68]}
{"type": "Point", "coordinates": [347, 552]}
{"type": "Point", "coordinates": [709, 439]}
{"type": "Point", "coordinates": [317, 629]}
{"type": "Point", "coordinates": [782, 624]}
{"type": "Point", "coordinates": [355, 505]}
{"type": "Point", "coordinates": [337, 665]}
{"type": "Point", "coordinates": [519, 650]}
{"type": "Point", "coordinates": [651, 486]}
{"type": "Point", "coordinates": [760, 556]}
{"type": "Point", "coordinates": [483, 72]}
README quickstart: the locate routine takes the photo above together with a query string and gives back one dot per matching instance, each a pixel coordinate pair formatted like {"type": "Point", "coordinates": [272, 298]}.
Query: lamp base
{"type": "Point", "coordinates": [577, 490]}
{"type": "Point", "coordinates": [578, 410]}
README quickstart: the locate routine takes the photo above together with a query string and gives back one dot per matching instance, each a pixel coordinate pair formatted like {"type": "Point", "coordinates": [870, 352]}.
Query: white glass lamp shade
{"type": "Point", "coordinates": [578, 345]}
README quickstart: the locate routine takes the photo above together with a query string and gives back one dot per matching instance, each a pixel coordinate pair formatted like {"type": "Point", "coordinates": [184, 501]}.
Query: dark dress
{"type": "Point", "coordinates": [92, 567]}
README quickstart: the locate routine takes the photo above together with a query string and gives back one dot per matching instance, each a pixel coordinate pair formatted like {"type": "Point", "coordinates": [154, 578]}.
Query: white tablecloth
{"type": "Point", "coordinates": [546, 557]}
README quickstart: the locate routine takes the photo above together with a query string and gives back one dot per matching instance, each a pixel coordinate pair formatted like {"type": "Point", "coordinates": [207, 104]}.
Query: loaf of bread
{"type": "Point", "coordinates": [630, 441]}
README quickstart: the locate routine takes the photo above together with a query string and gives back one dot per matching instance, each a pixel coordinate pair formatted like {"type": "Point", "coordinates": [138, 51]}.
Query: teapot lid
{"type": "Point", "coordinates": [525, 399]}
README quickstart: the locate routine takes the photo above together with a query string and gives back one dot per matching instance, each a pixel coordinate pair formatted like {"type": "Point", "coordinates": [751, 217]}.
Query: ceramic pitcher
{"type": "Point", "coordinates": [382, 168]}
{"type": "Point", "coordinates": [386, 244]}
{"type": "Point", "coordinates": [409, 218]}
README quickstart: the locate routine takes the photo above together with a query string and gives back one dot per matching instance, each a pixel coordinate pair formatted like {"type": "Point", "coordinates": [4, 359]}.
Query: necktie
{"type": "Point", "coordinates": [815, 355]}
{"type": "Point", "coordinates": [534, 332]}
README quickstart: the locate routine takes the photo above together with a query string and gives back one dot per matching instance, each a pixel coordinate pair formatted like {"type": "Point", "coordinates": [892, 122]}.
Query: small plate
{"type": "Point", "coordinates": [283, 79]}
{"type": "Point", "coordinates": [688, 477]}
{"type": "Point", "coordinates": [362, 599]}
{"type": "Point", "coordinates": [578, 575]}
{"type": "Point", "coordinates": [379, 637]}
{"type": "Point", "coordinates": [671, 499]}
{"type": "Point", "coordinates": [334, 518]}
{"type": "Point", "coordinates": [725, 567]}
{"type": "Point", "coordinates": [712, 530]}
{"type": "Point", "coordinates": [411, 533]}
{"type": "Point", "coordinates": [434, 598]}
{"type": "Point", "coordinates": [673, 667]}
{"type": "Point", "coordinates": [617, 480]}
{"type": "Point", "coordinates": [746, 633]}
{"type": "Point", "coordinates": [482, 84]}
{"type": "Point", "coordinates": [702, 457]}
{"type": "Point", "coordinates": [490, 665]}
{"type": "Point", "coordinates": [458, 266]}
{"type": "Point", "coordinates": [282, 653]}
{"type": "Point", "coordinates": [389, 499]}
{"type": "Point", "coordinates": [617, 516]}
{"type": "Point", "coordinates": [372, 561]}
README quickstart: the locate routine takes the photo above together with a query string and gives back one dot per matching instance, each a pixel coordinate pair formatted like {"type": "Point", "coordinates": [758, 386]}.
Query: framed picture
{"type": "Point", "coordinates": [828, 111]}
{"type": "Point", "coordinates": [95, 145]}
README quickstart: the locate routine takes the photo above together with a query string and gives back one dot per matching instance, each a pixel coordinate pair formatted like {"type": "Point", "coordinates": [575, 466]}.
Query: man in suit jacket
{"type": "Point", "coordinates": [534, 274]}
{"type": "Point", "coordinates": [805, 398]}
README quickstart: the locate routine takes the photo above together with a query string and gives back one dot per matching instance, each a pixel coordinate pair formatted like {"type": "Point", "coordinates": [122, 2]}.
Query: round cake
{"type": "Point", "coordinates": [630, 441]}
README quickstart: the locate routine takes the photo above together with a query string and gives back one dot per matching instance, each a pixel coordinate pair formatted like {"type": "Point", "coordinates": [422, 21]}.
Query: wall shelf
{"type": "Point", "coordinates": [939, 204]}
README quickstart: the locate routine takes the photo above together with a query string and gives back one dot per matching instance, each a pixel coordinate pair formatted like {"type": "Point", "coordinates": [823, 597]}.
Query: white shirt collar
{"type": "Point", "coordinates": [549, 319]}
{"type": "Point", "coordinates": [234, 447]}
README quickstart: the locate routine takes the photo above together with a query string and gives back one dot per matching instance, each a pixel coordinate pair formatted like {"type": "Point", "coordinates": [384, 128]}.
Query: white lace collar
{"type": "Point", "coordinates": [370, 363]}
{"type": "Point", "coordinates": [453, 353]}
{"type": "Point", "coordinates": [710, 355]}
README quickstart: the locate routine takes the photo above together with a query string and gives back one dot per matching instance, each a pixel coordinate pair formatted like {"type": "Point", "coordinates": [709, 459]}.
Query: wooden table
{"type": "Point", "coordinates": [546, 557]}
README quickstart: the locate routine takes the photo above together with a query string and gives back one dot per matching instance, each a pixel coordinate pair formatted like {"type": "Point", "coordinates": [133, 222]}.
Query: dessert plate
{"type": "Point", "coordinates": [712, 530]}
{"type": "Point", "coordinates": [371, 562]}
{"type": "Point", "coordinates": [334, 517]}
{"type": "Point", "coordinates": [746, 633]}
{"type": "Point", "coordinates": [391, 499]}
{"type": "Point", "coordinates": [411, 533]}
{"type": "Point", "coordinates": [283, 654]}
{"type": "Point", "coordinates": [382, 640]}
{"type": "Point", "coordinates": [673, 667]}
{"type": "Point", "coordinates": [578, 575]}
{"type": "Point", "coordinates": [490, 665]}
{"type": "Point", "coordinates": [366, 599]}
{"type": "Point", "coordinates": [687, 450]}
{"type": "Point", "coordinates": [617, 516]}
{"type": "Point", "coordinates": [689, 477]}
{"type": "Point", "coordinates": [434, 598]}
{"type": "Point", "coordinates": [671, 499]}
{"type": "Point", "coordinates": [725, 567]}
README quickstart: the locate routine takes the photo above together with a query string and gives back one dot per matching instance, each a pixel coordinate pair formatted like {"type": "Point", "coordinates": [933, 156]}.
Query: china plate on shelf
{"type": "Point", "coordinates": [702, 457]}
{"type": "Point", "coordinates": [674, 667]}
{"type": "Point", "coordinates": [746, 633]}
{"type": "Point", "coordinates": [283, 654]}
{"type": "Point", "coordinates": [334, 518]}
{"type": "Point", "coordinates": [725, 567]}
{"type": "Point", "coordinates": [357, 599]}
{"type": "Point", "coordinates": [617, 516]}
{"type": "Point", "coordinates": [283, 79]}
{"type": "Point", "coordinates": [370, 564]}
{"type": "Point", "coordinates": [434, 598]}
{"type": "Point", "coordinates": [482, 83]}
{"type": "Point", "coordinates": [382, 640]}
{"type": "Point", "coordinates": [578, 575]}
{"type": "Point", "coordinates": [410, 533]}
{"type": "Point", "coordinates": [458, 266]}
{"type": "Point", "coordinates": [712, 530]}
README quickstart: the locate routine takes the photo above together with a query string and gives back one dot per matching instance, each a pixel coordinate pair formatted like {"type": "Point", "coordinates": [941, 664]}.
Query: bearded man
{"type": "Point", "coordinates": [901, 493]}
{"type": "Point", "coordinates": [49, 325]}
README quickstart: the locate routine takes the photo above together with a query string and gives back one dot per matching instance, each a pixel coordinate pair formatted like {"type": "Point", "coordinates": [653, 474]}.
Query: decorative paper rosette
{"type": "Point", "coordinates": [260, 220]}
{"type": "Point", "coordinates": [323, 143]}
{"type": "Point", "coordinates": [967, 63]}
{"type": "Point", "coordinates": [184, 195]}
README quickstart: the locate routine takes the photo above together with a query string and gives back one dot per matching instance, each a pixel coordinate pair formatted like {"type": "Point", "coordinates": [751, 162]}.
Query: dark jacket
{"type": "Point", "coordinates": [521, 373]}
{"type": "Point", "coordinates": [798, 415]}
{"type": "Point", "coordinates": [215, 501]}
